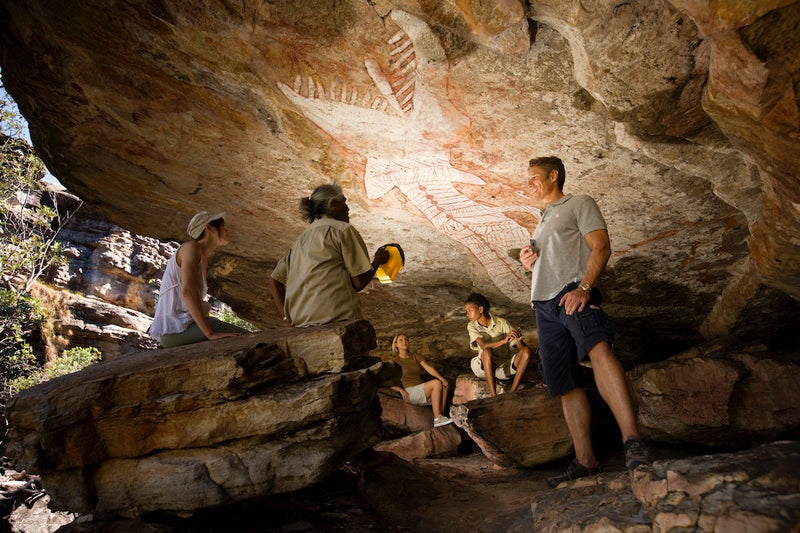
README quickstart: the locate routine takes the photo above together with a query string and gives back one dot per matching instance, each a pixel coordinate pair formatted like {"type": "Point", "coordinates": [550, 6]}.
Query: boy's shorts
{"type": "Point", "coordinates": [416, 395]}
{"type": "Point", "coordinates": [565, 340]}
{"type": "Point", "coordinates": [502, 369]}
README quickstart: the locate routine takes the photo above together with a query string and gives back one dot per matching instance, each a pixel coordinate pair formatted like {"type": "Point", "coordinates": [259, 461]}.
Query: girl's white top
{"type": "Point", "coordinates": [172, 315]}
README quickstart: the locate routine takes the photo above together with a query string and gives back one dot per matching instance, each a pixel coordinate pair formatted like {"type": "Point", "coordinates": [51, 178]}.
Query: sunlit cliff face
{"type": "Point", "coordinates": [680, 121]}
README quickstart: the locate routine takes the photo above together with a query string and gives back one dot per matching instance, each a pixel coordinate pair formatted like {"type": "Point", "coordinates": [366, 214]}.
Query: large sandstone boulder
{"type": "Point", "coordinates": [718, 393]}
{"type": "Point", "coordinates": [400, 416]}
{"type": "Point", "coordinates": [182, 429]}
{"type": "Point", "coordinates": [523, 428]}
{"type": "Point", "coordinates": [680, 117]}
{"type": "Point", "coordinates": [409, 431]}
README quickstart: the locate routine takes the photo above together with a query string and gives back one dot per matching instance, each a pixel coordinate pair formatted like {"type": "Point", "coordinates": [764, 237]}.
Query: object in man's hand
{"type": "Point", "coordinates": [533, 245]}
{"type": "Point", "coordinates": [388, 271]}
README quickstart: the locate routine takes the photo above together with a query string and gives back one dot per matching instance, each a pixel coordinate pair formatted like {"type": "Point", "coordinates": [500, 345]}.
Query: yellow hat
{"type": "Point", "coordinates": [388, 271]}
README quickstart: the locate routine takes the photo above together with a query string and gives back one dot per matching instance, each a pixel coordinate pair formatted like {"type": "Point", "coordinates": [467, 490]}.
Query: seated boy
{"type": "Point", "coordinates": [492, 336]}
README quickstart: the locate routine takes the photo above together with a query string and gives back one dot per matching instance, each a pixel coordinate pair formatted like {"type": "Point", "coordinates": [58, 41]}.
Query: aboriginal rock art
{"type": "Point", "coordinates": [410, 124]}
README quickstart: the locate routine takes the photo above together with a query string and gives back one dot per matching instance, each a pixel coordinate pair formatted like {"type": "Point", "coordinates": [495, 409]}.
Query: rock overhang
{"type": "Point", "coordinates": [427, 116]}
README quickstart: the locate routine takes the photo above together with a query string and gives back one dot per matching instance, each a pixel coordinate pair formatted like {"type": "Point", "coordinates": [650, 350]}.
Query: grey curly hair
{"type": "Point", "coordinates": [319, 203]}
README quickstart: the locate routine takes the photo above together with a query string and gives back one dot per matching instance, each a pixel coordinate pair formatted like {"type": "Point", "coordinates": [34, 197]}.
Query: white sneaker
{"type": "Point", "coordinates": [441, 420]}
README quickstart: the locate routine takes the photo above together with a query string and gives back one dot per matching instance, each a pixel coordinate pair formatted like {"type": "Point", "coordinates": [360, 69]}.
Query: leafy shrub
{"type": "Point", "coordinates": [20, 315]}
{"type": "Point", "coordinates": [27, 245]}
{"type": "Point", "coordinates": [223, 312]}
{"type": "Point", "coordinates": [71, 360]}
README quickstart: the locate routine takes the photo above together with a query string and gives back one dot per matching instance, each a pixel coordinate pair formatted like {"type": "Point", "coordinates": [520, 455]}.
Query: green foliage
{"type": "Point", "coordinates": [20, 315]}
{"type": "Point", "coordinates": [223, 312]}
{"type": "Point", "coordinates": [27, 244]}
{"type": "Point", "coordinates": [11, 122]}
{"type": "Point", "coordinates": [70, 361]}
{"type": "Point", "coordinates": [27, 229]}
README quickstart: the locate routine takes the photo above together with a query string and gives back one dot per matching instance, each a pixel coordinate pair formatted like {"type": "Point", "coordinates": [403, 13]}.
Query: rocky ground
{"type": "Point", "coordinates": [377, 494]}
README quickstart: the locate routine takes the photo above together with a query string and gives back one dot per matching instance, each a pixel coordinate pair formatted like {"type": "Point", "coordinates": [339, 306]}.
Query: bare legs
{"type": "Point", "coordinates": [578, 415]}
{"type": "Point", "coordinates": [488, 369]}
{"type": "Point", "coordinates": [520, 361]}
{"type": "Point", "coordinates": [437, 394]}
{"type": "Point", "coordinates": [612, 385]}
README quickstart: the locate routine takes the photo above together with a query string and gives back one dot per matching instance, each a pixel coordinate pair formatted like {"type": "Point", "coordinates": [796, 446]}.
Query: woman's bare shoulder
{"type": "Point", "coordinates": [188, 251]}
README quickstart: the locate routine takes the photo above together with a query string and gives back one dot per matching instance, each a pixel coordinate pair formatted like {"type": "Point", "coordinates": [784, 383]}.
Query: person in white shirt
{"type": "Point", "coordinates": [181, 315]}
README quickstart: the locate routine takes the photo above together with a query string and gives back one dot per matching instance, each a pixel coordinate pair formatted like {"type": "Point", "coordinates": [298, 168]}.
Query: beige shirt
{"type": "Point", "coordinates": [498, 329]}
{"type": "Point", "coordinates": [317, 270]}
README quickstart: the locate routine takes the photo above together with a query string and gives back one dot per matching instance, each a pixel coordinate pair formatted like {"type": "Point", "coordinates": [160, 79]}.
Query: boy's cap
{"type": "Point", "coordinates": [199, 221]}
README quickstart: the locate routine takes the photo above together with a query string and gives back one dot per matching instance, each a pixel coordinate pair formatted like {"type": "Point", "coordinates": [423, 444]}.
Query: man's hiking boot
{"type": "Point", "coordinates": [636, 453]}
{"type": "Point", "coordinates": [575, 471]}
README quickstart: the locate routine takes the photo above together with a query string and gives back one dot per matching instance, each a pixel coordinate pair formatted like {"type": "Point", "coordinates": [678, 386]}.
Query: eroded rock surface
{"type": "Point", "coordinates": [752, 490]}
{"type": "Point", "coordinates": [524, 428]}
{"type": "Point", "coordinates": [182, 429]}
{"type": "Point", "coordinates": [681, 119]}
{"type": "Point", "coordinates": [718, 393]}
{"type": "Point", "coordinates": [598, 503]}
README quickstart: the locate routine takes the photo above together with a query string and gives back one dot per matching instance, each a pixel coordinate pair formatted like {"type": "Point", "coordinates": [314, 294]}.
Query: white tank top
{"type": "Point", "coordinates": [172, 315]}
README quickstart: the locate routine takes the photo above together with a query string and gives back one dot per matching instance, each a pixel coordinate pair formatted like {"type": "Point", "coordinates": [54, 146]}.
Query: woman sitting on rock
{"type": "Point", "coordinates": [318, 280]}
{"type": "Point", "coordinates": [181, 312]}
{"type": "Point", "coordinates": [414, 390]}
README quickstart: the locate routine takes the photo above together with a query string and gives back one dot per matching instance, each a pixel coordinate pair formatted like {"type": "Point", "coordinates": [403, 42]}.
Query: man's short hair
{"type": "Point", "coordinates": [548, 164]}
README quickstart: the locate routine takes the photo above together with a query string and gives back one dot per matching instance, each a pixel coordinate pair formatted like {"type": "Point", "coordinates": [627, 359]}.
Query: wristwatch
{"type": "Point", "coordinates": [586, 287]}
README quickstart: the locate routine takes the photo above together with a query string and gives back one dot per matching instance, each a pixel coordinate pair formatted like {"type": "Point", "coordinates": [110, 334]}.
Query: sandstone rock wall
{"type": "Point", "coordinates": [680, 117]}
{"type": "Point", "coordinates": [105, 294]}
{"type": "Point", "coordinates": [718, 394]}
{"type": "Point", "coordinates": [202, 425]}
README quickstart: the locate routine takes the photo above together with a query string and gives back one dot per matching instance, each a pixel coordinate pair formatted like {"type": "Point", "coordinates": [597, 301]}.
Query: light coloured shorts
{"type": "Point", "coordinates": [416, 395]}
{"type": "Point", "coordinates": [504, 370]}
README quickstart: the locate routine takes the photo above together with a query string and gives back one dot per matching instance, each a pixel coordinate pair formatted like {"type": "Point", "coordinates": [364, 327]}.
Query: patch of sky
{"type": "Point", "coordinates": [13, 124]}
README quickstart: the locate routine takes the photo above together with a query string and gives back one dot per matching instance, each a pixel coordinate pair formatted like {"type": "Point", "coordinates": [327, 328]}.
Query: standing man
{"type": "Point", "coordinates": [568, 253]}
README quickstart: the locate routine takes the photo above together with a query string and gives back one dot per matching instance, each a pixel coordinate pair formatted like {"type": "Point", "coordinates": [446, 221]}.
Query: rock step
{"type": "Point", "coordinates": [181, 429]}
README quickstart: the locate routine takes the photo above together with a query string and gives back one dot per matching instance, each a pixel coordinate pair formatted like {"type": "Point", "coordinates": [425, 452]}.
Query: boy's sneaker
{"type": "Point", "coordinates": [636, 453]}
{"type": "Point", "coordinates": [441, 420]}
{"type": "Point", "coordinates": [575, 471]}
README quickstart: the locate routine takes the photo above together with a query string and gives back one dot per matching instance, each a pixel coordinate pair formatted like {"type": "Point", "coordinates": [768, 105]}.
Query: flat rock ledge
{"type": "Point", "coordinates": [752, 490]}
{"type": "Point", "coordinates": [182, 429]}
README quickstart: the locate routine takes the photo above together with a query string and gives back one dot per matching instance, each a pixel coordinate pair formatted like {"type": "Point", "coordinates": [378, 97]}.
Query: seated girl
{"type": "Point", "coordinates": [414, 390]}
